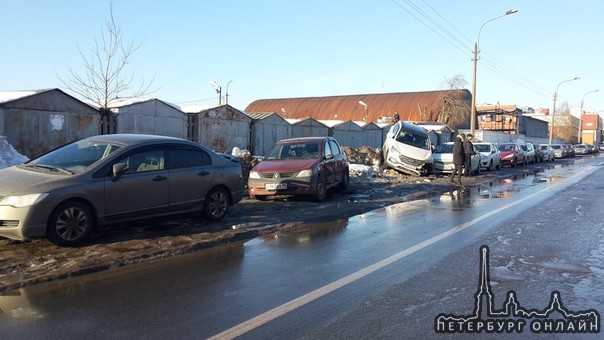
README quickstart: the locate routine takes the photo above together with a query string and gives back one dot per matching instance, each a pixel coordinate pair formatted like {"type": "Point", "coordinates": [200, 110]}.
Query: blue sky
{"type": "Point", "coordinates": [284, 48]}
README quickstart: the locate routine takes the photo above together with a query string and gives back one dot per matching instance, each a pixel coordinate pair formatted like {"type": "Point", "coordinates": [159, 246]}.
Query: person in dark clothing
{"type": "Point", "coordinates": [459, 156]}
{"type": "Point", "coordinates": [469, 150]}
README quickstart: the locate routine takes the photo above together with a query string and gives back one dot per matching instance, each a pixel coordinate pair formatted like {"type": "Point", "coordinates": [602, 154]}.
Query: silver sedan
{"type": "Point", "coordinates": [65, 193]}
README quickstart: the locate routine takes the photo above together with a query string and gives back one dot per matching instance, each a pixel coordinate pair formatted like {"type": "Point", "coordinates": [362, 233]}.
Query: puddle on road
{"type": "Point", "coordinates": [565, 267]}
{"type": "Point", "coordinates": [457, 200]}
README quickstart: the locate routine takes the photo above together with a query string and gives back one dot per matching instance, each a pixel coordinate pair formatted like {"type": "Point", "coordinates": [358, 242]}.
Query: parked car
{"type": "Point", "coordinates": [529, 152]}
{"type": "Point", "coordinates": [64, 194]}
{"type": "Point", "coordinates": [300, 166]}
{"type": "Point", "coordinates": [581, 149]}
{"type": "Point", "coordinates": [490, 156]}
{"type": "Point", "coordinates": [559, 151]}
{"type": "Point", "coordinates": [570, 151]}
{"type": "Point", "coordinates": [548, 152]}
{"type": "Point", "coordinates": [443, 160]}
{"type": "Point", "coordinates": [408, 149]}
{"type": "Point", "coordinates": [512, 154]}
{"type": "Point", "coordinates": [539, 154]}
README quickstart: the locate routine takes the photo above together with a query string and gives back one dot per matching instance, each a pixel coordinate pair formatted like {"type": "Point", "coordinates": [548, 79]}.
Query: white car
{"type": "Point", "coordinates": [490, 156]}
{"type": "Point", "coordinates": [443, 160]}
{"type": "Point", "coordinates": [558, 151]}
{"type": "Point", "coordinates": [407, 148]}
{"type": "Point", "coordinates": [548, 152]}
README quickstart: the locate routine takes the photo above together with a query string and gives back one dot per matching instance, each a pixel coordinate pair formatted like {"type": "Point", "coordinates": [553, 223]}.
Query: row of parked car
{"type": "Point", "coordinates": [584, 149]}
{"type": "Point", "coordinates": [66, 193]}
{"type": "Point", "coordinates": [408, 149]}
{"type": "Point", "coordinates": [491, 156]}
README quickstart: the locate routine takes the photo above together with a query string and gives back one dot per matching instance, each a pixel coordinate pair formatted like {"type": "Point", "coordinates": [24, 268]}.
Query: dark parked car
{"type": "Point", "coordinates": [529, 152]}
{"type": "Point", "coordinates": [65, 193]}
{"type": "Point", "coordinates": [570, 151]}
{"type": "Point", "coordinates": [540, 155]}
{"type": "Point", "coordinates": [512, 154]}
{"type": "Point", "coordinates": [300, 166]}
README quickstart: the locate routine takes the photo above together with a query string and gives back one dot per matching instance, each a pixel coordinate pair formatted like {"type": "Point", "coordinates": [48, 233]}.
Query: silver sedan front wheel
{"type": "Point", "coordinates": [70, 223]}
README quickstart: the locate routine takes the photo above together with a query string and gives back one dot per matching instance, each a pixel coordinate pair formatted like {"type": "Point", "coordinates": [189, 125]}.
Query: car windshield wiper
{"type": "Point", "coordinates": [52, 168]}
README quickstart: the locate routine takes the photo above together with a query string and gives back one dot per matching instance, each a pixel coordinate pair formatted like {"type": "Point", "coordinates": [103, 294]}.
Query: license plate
{"type": "Point", "coordinates": [275, 186]}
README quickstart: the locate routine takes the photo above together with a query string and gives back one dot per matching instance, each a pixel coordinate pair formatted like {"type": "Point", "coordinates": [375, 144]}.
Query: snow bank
{"type": "Point", "coordinates": [8, 155]}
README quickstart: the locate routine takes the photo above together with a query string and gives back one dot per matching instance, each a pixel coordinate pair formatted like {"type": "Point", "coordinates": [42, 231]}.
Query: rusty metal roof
{"type": "Point", "coordinates": [407, 104]}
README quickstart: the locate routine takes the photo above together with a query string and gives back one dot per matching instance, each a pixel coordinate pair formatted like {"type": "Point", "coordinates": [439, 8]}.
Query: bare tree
{"type": "Point", "coordinates": [454, 110]}
{"type": "Point", "coordinates": [565, 126]}
{"type": "Point", "coordinates": [455, 82]}
{"type": "Point", "coordinates": [104, 80]}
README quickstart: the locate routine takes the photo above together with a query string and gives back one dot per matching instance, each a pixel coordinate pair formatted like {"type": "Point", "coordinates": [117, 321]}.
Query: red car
{"type": "Point", "coordinates": [512, 154]}
{"type": "Point", "coordinates": [300, 166]}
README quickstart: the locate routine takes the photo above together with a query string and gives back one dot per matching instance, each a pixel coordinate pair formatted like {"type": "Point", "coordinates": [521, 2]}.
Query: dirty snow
{"type": "Point", "coordinates": [8, 155]}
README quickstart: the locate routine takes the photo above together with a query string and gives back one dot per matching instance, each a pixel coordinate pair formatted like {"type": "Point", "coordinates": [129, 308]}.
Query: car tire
{"type": "Point", "coordinates": [515, 162]}
{"type": "Point", "coordinates": [70, 223]}
{"type": "Point", "coordinates": [345, 185]}
{"type": "Point", "coordinates": [216, 204]}
{"type": "Point", "coordinates": [384, 163]}
{"type": "Point", "coordinates": [321, 190]}
{"type": "Point", "coordinates": [491, 166]}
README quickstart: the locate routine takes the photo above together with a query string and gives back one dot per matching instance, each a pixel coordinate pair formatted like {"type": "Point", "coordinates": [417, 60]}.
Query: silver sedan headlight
{"type": "Point", "coordinates": [21, 201]}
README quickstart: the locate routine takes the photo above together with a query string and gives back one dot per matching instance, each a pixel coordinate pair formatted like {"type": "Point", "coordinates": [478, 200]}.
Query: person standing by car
{"type": "Point", "coordinates": [469, 152]}
{"type": "Point", "coordinates": [459, 156]}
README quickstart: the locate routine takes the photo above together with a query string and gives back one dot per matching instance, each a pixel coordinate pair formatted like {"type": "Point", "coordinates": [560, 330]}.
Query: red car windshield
{"type": "Point", "coordinates": [294, 150]}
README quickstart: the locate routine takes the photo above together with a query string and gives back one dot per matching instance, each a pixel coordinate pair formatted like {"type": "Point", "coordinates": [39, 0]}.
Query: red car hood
{"type": "Point", "coordinates": [506, 153]}
{"type": "Point", "coordinates": [284, 165]}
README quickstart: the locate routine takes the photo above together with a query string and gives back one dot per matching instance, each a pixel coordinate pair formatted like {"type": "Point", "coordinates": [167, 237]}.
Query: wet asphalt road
{"type": "Point", "coordinates": [384, 274]}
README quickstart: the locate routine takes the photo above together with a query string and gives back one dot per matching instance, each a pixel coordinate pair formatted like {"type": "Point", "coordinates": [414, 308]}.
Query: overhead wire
{"type": "Point", "coordinates": [454, 39]}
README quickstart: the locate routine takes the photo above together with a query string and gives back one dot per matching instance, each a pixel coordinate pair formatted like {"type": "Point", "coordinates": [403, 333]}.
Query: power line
{"type": "Point", "coordinates": [488, 61]}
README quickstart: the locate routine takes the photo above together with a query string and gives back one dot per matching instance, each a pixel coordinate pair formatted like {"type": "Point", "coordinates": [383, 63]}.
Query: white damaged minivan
{"type": "Point", "coordinates": [408, 149]}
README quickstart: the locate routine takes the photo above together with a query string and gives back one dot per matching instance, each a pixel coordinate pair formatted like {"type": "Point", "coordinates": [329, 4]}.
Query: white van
{"type": "Point", "coordinates": [408, 149]}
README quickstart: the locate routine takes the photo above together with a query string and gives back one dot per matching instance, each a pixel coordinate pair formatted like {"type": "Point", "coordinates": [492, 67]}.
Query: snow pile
{"type": "Point", "coordinates": [364, 161]}
{"type": "Point", "coordinates": [362, 170]}
{"type": "Point", "coordinates": [8, 155]}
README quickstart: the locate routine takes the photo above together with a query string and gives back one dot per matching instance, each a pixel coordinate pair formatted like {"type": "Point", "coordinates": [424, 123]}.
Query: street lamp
{"type": "Point", "coordinates": [473, 115]}
{"type": "Point", "coordinates": [218, 89]}
{"type": "Point", "coordinates": [366, 110]}
{"type": "Point", "coordinates": [551, 132]}
{"type": "Point", "coordinates": [227, 92]}
{"type": "Point", "coordinates": [581, 116]}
